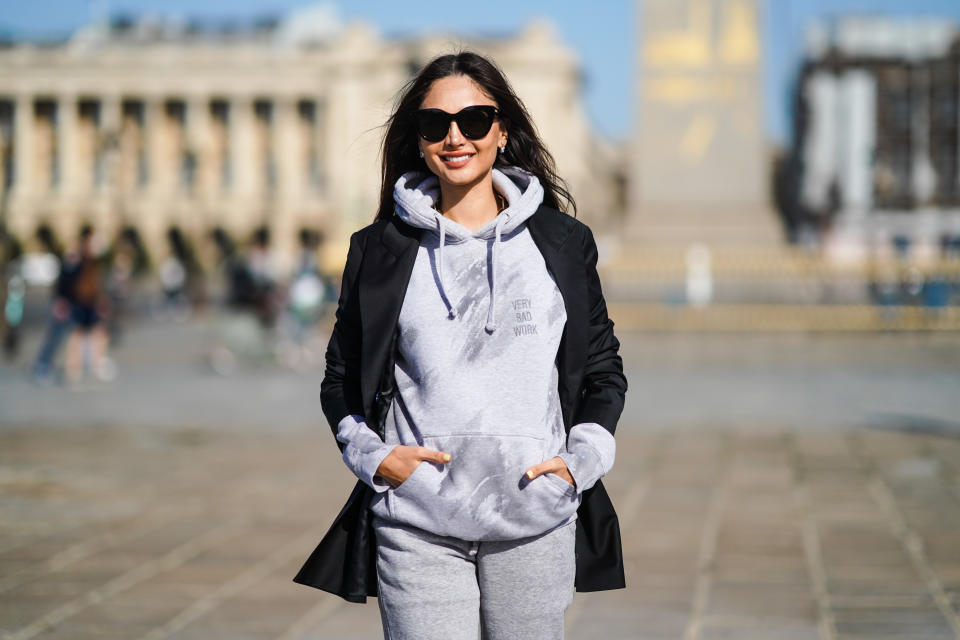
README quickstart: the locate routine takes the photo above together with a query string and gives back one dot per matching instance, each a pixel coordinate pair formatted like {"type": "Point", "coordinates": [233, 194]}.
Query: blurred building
{"type": "Point", "coordinates": [877, 135]}
{"type": "Point", "coordinates": [701, 165]}
{"type": "Point", "coordinates": [153, 124]}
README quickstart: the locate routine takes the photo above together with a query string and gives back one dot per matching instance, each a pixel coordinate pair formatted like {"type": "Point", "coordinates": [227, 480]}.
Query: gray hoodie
{"type": "Point", "coordinates": [476, 374]}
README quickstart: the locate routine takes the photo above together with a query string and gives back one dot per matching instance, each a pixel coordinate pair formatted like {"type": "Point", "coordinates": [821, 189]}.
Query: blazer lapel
{"type": "Point", "coordinates": [566, 265]}
{"type": "Point", "coordinates": [384, 274]}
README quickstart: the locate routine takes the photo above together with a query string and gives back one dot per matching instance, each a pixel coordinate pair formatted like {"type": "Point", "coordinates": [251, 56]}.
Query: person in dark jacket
{"type": "Point", "coordinates": [473, 379]}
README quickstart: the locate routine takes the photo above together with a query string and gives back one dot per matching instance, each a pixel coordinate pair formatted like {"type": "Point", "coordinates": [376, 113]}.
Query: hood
{"type": "Point", "coordinates": [416, 192]}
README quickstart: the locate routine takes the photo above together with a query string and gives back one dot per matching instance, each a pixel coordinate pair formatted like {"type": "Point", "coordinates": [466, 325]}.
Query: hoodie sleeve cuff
{"type": "Point", "coordinates": [590, 453]}
{"type": "Point", "coordinates": [363, 451]}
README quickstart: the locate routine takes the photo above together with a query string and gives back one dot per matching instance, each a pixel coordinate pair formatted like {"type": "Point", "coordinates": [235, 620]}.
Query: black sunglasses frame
{"type": "Point", "coordinates": [447, 118]}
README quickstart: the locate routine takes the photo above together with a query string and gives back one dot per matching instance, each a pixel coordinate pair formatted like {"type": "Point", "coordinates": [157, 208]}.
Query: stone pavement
{"type": "Point", "coordinates": [754, 531]}
{"type": "Point", "coordinates": [786, 486]}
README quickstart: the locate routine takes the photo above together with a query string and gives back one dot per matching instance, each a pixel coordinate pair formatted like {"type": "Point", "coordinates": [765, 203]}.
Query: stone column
{"type": "Point", "coordinates": [288, 201]}
{"type": "Point", "coordinates": [319, 183]}
{"type": "Point", "coordinates": [159, 169]}
{"type": "Point", "coordinates": [131, 140]}
{"type": "Point", "coordinates": [72, 172]}
{"type": "Point", "coordinates": [24, 163]}
{"type": "Point", "coordinates": [198, 136]}
{"type": "Point", "coordinates": [288, 149]}
{"type": "Point", "coordinates": [154, 210]}
{"type": "Point", "coordinates": [245, 179]}
{"type": "Point", "coordinates": [242, 149]}
{"type": "Point", "coordinates": [109, 154]}
{"type": "Point", "coordinates": [109, 142]}
{"type": "Point", "coordinates": [340, 152]}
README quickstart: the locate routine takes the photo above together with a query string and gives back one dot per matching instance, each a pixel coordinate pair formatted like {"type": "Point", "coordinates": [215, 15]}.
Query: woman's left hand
{"type": "Point", "coordinates": [553, 465]}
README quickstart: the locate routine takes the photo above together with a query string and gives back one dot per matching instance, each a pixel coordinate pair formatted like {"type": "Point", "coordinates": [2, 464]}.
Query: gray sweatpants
{"type": "Point", "coordinates": [440, 587]}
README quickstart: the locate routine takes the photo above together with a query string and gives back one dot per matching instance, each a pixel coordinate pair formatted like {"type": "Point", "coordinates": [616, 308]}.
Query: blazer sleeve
{"type": "Point", "coordinates": [604, 386]}
{"type": "Point", "coordinates": [340, 389]}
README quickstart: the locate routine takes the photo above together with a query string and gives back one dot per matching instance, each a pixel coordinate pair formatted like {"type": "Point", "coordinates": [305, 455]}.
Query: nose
{"type": "Point", "coordinates": [454, 137]}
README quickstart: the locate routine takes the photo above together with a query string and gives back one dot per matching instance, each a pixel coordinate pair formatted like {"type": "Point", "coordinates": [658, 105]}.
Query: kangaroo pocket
{"type": "Point", "coordinates": [482, 493]}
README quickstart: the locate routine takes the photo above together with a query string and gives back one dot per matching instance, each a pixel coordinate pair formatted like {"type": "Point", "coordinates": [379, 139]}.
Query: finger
{"type": "Point", "coordinates": [433, 456]}
{"type": "Point", "coordinates": [539, 469]}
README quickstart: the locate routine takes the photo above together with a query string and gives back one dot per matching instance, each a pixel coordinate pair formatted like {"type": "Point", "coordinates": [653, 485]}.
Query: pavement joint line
{"type": "Point", "coordinates": [909, 539]}
{"type": "Point", "coordinates": [23, 539]}
{"type": "Point", "coordinates": [170, 560]}
{"type": "Point", "coordinates": [28, 536]}
{"type": "Point", "coordinates": [313, 617]}
{"type": "Point", "coordinates": [140, 524]}
{"type": "Point", "coordinates": [706, 558]}
{"type": "Point", "coordinates": [812, 552]}
{"type": "Point", "coordinates": [232, 587]}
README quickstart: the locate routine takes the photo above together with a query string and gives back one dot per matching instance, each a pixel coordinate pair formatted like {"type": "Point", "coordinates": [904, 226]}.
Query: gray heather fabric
{"type": "Point", "coordinates": [434, 587]}
{"type": "Point", "coordinates": [478, 380]}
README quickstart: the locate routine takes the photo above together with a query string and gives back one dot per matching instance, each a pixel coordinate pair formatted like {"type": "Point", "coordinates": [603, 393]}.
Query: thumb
{"type": "Point", "coordinates": [433, 456]}
{"type": "Point", "coordinates": [536, 470]}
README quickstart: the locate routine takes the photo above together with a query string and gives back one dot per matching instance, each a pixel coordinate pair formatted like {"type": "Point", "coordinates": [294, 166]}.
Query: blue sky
{"type": "Point", "coordinates": [602, 32]}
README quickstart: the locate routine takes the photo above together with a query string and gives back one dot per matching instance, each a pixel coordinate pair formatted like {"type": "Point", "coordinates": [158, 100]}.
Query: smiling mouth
{"type": "Point", "coordinates": [456, 159]}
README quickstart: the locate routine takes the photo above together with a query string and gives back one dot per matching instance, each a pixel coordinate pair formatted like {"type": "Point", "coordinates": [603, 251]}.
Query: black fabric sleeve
{"type": "Point", "coordinates": [340, 389]}
{"type": "Point", "coordinates": [604, 385]}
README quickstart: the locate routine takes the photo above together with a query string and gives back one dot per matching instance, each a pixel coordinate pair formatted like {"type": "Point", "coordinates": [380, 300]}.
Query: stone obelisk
{"type": "Point", "coordinates": [700, 167]}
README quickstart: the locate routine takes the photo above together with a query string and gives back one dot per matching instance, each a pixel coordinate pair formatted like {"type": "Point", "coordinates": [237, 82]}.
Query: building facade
{"type": "Point", "coordinates": [153, 124]}
{"type": "Point", "coordinates": [877, 135]}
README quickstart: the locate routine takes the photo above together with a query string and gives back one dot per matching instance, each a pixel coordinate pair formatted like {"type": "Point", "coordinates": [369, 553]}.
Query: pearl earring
{"type": "Point", "coordinates": [421, 153]}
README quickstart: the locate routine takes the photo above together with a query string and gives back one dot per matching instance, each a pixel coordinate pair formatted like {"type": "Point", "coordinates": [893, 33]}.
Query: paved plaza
{"type": "Point", "coordinates": [784, 487]}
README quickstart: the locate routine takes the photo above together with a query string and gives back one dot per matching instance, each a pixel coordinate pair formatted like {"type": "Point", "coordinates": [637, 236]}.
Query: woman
{"type": "Point", "coordinates": [473, 380]}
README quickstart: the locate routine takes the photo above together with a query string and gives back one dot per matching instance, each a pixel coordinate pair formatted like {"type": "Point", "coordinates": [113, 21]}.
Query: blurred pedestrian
{"type": "Point", "coordinates": [263, 278]}
{"type": "Point", "coordinates": [87, 346]}
{"type": "Point", "coordinates": [181, 278]}
{"type": "Point", "coordinates": [59, 318]}
{"type": "Point", "coordinates": [123, 266]}
{"type": "Point", "coordinates": [306, 297]}
{"type": "Point", "coordinates": [473, 379]}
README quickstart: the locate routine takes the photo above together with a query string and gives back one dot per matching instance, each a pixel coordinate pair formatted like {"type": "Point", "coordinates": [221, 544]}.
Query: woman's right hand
{"type": "Point", "coordinates": [403, 460]}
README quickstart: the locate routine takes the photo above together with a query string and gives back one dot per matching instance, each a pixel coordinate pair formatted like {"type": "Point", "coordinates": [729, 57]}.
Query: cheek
{"type": "Point", "coordinates": [488, 156]}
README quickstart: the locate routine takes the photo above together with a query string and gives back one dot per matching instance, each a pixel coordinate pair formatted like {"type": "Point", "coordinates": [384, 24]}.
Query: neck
{"type": "Point", "coordinates": [469, 205]}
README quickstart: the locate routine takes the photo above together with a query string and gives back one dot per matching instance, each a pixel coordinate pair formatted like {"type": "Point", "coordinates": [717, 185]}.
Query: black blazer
{"type": "Point", "coordinates": [359, 380]}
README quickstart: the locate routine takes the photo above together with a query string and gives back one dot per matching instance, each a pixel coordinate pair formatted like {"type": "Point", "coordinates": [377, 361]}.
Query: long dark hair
{"type": "Point", "coordinates": [400, 152]}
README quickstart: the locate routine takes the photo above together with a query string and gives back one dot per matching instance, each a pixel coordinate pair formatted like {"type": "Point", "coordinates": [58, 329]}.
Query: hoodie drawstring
{"type": "Point", "coordinates": [491, 325]}
{"type": "Point", "coordinates": [443, 292]}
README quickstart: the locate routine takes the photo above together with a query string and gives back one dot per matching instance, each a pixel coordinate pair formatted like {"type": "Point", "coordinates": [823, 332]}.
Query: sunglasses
{"type": "Point", "coordinates": [474, 122]}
